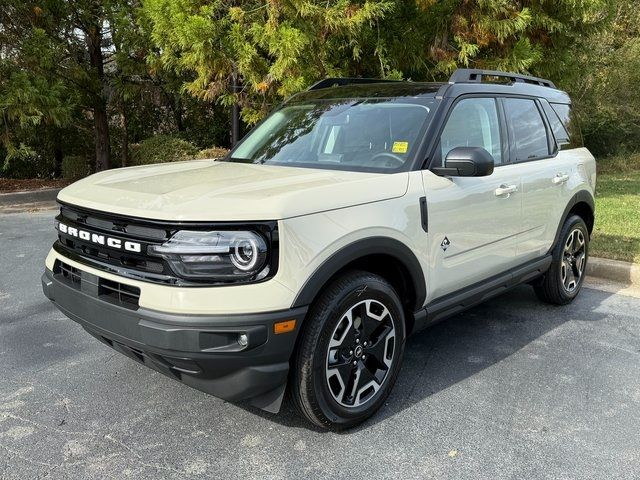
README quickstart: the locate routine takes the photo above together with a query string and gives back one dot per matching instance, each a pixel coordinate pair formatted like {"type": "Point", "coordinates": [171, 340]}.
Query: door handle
{"type": "Point", "coordinates": [560, 178]}
{"type": "Point", "coordinates": [506, 190]}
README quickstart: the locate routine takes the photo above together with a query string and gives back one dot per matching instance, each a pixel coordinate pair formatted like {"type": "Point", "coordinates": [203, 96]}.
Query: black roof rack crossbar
{"type": "Point", "coordinates": [340, 81]}
{"type": "Point", "coordinates": [472, 75]}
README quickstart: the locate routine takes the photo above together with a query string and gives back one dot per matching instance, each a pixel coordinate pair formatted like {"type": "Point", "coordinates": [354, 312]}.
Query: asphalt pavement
{"type": "Point", "coordinates": [512, 389]}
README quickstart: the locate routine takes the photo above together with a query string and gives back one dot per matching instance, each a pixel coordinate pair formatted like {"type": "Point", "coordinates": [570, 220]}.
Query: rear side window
{"type": "Point", "coordinates": [557, 127]}
{"type": "Point", "coordinates": [570, 122]}
{"type": "Point", "coordinates": [527, 127]}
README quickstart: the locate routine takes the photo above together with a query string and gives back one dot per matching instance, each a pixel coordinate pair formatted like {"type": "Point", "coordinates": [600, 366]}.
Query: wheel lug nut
{"type": "Point", "coordinates": [364, 357]}
{"type": "Point", "coordinates": [350, 352]}
{"type": "Point", "coordinates": [357, 340]}
{"type": "Point", "coordinates": [355, 363]}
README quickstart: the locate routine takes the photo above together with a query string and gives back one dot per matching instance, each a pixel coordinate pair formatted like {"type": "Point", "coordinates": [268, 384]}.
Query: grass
{"type": "Point", "coordinates": [617, 230]}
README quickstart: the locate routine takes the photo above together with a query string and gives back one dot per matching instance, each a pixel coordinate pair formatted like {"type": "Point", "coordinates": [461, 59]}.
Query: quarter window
{"type": "Point", "coordinates": [473, 123]}
{"type": "Point", "coordinates": [566, 115]}
{"type": "Point", "coordinates": [529, 132]}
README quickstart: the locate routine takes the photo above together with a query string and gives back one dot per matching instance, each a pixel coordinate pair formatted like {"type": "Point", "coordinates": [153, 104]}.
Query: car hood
{"type": "Point", "coordinates": [207, 190]}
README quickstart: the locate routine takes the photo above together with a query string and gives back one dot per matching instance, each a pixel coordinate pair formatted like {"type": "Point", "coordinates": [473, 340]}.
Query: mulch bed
{"type": "Point", "coordinates": [10, 185]}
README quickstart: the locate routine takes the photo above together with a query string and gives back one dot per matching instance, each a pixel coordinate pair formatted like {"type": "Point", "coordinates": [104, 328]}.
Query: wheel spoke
{"type": "Point", "coordinates": [378, 348]}
{"type": "Point", "coordinates": [568, 246]}
{"type": "Point", "coordinates": [580, 263]}
{"type": "Point", "coordinates": [344, 334]}
{"type": "Point", "coordinates": [343, 374]}
{"type": "Point", "coordinates": [365, 386]}
{"type": "Point", "coordinates": [578, 242]}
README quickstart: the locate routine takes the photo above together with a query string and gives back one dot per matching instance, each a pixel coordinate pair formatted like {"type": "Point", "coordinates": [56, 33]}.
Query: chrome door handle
{"type": "Point", "coordinates": [506, 190]}
{"type": "Point", "coordinates": [560, 178]}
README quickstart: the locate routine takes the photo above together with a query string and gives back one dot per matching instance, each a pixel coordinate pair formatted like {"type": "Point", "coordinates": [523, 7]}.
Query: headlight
{"type": "Point", "coordinates": [218, 255]}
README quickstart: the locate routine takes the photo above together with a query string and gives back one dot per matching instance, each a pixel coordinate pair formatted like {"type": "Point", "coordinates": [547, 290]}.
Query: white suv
{"type": "Point", "coordinates": [359, 212]}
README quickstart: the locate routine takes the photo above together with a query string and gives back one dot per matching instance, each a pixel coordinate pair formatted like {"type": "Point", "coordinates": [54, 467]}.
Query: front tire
{"type": "Point", "coordinates": [350, 351]}
{"type": "Point", "coordinates": [563, 281]}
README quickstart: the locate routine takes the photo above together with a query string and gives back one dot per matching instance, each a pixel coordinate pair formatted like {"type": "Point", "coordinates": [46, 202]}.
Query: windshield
{"type": "Point", "coordinates": [359, 135]}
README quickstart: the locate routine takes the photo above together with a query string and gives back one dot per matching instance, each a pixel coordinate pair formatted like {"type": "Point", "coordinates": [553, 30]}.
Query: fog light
{"type": "Point", "coordinates": [243, 340]}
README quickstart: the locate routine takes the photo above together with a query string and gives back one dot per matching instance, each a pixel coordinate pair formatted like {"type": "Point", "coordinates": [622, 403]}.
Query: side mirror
{"type": "Point", "coordinates": [466, 162]}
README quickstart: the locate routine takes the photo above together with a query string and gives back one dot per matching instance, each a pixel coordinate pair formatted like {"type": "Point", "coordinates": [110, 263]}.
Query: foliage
{"type": "Point", "coordinates": [95, 77]}
{"type": "Point", "coordinates": [23, 162]}
{"type": "Point", "coordinates": [75, 167]}
{"type": "Point", "coordinates": [213, 152]}
{"type": "Point", "coordinates": [605, 89]}
{"type": "Point", "coordinates": [277, 48]}
{"type": "Point", "coordinates": [161, 149]}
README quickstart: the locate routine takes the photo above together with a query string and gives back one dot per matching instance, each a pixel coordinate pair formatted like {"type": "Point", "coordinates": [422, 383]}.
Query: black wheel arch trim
{"type": "Point", "coordinates": [583, 196]}
{"type": "Point", "coordinates": [359, 249]}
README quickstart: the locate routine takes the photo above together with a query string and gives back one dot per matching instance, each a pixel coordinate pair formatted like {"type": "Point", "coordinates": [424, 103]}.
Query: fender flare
{"type": "Point", "coordinates": [583, 196]}
{"type": "Point", "coordinates": [356, 250]}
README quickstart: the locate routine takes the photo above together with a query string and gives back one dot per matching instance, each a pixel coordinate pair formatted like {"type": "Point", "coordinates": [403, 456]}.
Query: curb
{"type": "Point", "coordinates": [615, 270]}
{"type": "Point", "coordinates": [29, 196]}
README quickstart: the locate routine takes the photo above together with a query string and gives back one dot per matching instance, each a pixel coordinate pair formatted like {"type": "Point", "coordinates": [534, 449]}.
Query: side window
{"type": "Point", "coordinates": [559, 131]}
{"type": "Point", "coordinates": [568, 118]}
{"type": "Point", "coordinates": [528, 129]}
{"type": "Point", "coordinates": [473, 123]}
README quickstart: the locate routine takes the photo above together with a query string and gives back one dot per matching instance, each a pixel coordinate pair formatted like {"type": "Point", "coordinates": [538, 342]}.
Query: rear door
{"type": "Point", "coordinates": [473, 221]}
{"type": "Point", "coordinates": [533, 150]}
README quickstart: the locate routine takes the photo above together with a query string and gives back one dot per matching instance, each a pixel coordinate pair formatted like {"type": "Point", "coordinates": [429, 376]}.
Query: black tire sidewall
{"type": "Point", "coordinates": [362, 287]}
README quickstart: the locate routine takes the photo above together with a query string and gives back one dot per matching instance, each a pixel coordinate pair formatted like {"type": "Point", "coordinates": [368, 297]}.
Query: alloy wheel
{"type": "Point", "coordinates": [573, 260]}
{"type": "Point", "coordinates": [360, 353]}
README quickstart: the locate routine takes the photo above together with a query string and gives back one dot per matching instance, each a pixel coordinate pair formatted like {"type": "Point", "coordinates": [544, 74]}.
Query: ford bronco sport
{"type": "Point", "coordinates": [359, 212]}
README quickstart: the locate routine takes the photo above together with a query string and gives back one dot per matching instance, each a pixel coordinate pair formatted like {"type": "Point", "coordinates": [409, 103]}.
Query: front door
{"type": "Point", "coordinates": [473, 221]}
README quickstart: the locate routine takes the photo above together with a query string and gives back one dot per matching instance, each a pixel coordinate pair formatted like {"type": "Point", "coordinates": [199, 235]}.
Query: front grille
{"type": "Point", "coordinates": [138, 264]}
{"type": "Point", "coordinates": [109, 291]}
{"type": "Point", "coordinates": [118, 293]}
{"type": "Point", "coordinates": [70, 274]}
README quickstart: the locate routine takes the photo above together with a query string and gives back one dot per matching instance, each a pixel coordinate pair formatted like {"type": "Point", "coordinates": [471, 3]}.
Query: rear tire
{"type": "Point", "coordinates": [350, 351]}
{"type": "Point", "coordinates": [563, 281]}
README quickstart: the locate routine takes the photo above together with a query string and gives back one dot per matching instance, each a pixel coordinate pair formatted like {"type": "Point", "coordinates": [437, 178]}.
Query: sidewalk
{"type": "Point", "coordinates": [26, 201]}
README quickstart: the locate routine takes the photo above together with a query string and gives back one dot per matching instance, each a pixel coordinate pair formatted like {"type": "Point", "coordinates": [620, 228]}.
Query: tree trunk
{"type": "Point", "coordinates": [57, 155]}
{"type": "Point", "coordinates": [100, 117]}
{"type": "Point", "coordinates": [125, 138]}
{"type": "Point", "coordinates": [178, 113]}
{"type": "Point", "coordinates": [101, 126]}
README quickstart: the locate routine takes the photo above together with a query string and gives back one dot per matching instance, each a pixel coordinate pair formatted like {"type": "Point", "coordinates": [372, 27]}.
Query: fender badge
{"type": "Point", "coordinates": [445, 244]}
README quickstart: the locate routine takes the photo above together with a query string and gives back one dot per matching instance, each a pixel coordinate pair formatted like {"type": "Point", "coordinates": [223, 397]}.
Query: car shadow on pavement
{"type": "Point", "coordinates": [462, 346]}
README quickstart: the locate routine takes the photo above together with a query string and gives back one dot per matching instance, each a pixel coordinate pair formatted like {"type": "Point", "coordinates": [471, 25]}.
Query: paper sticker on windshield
{"type": "Point", "coordinates": [400, 147]}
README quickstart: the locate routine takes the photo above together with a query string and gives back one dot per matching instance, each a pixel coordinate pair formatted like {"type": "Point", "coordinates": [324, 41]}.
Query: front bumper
{"type": "Point", "coordinates": [201, 351]}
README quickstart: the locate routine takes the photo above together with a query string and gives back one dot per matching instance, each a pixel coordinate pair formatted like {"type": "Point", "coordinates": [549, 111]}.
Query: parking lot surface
{"type": "Point", "coordinates": [510, 389]}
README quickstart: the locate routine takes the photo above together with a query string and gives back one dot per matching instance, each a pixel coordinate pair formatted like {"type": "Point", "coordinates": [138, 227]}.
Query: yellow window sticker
{"type": "Point", "coordinates": [400, 147]}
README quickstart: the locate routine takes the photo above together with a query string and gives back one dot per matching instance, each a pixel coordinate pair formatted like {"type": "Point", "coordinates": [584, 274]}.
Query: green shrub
{"type": "Point", "coordinates": [75, 167]}
{"type": "Point", "coordinates": [24, 162]}
{"type": "Point", "coordinates": [162, 148]}
{"type": "Point", "coordinates": [213, 152]}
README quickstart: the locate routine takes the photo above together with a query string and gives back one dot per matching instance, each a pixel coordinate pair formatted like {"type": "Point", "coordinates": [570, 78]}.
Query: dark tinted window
{"type": "Point", "coordinates": [473, 123]}
{"type": "Point", "coordinates": [568, 119]}
{"type": "Point", "coordinates": [529, 133]}
{"type": "Point", "coordinates": [557, 127]}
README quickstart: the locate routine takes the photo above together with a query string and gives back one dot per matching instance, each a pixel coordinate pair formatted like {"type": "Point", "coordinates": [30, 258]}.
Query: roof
{"type": "Point", "coordinates": [462, 82]}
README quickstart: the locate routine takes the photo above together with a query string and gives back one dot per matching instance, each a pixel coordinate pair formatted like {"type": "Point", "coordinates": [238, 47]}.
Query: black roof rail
{"type": "Point", "coordinates": [340, 81]}
{"type": "Point", "coordinates": [473, 75]}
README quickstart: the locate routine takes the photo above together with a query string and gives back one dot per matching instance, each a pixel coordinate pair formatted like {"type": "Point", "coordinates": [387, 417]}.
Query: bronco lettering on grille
{"type": "Point", "coordinates": [100, 239]}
